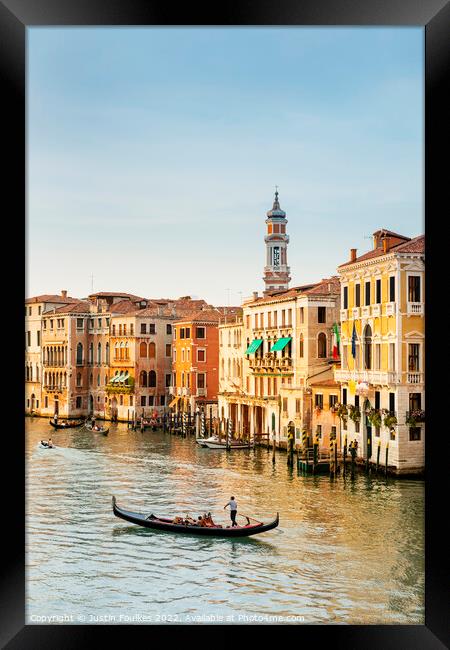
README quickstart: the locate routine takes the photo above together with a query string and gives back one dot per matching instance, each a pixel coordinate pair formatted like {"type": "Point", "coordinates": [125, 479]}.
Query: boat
{"type": "Point", "coordinates": [67, 424]}
{"type": "Point", "coordinates": [162, 523]}
{"type": "Point", "coordinates": [202, 441]}
{"type": "Point", "coordinates": [89, 427]}
{"type": "Point", "coordinates": [235, 444]}
{"type": "Point", "coordinates": [44, 445]}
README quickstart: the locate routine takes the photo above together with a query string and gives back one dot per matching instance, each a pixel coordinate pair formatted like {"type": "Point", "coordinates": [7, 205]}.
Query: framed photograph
{"type": "Point", "coordinates": [223, 218]}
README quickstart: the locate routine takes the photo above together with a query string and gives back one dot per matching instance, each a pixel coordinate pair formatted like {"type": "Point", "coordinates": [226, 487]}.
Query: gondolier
{"type": "Point", "coordinates": [233, 510]}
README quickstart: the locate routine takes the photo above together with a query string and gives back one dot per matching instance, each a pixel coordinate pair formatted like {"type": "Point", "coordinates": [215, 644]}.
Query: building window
{"type": "Point", "coordinates": [413, 357]}
{"type": "Point", "coordinates": [201, 381]}
{"type": "Point", "coordinates": [143, 400]}
{"type": "Point", "coordinates": [367, 293]}
{"type": "Point", "coordinates": [168, 350]}
{"type": "Point", "coordinates": [182, 333]}
{"type": "Point", "coordinates": [413, 288]}
{"type": "Point", "coordinates": [201, 355]}
{"type": "Point", "coordinates": [79, 354]}
{"type": "Point", "coordinates": [114, 329]}
{"type": "Point", "coordinates": [414, 433]}
{"type": "Point", "coordinates": [131, 400]}
{"type": "Point", "coordinates": [200, 332]}
{"type": "Point", "coordinates": [142, 350]}
{"type": "Point", "coordinates": [39, 311]}
{"type": "Point", "coordinates": [152, 379]}
{"type": "Point", "coordinates": [392, 403]}
{"type": "Point", "coordinates": [143, 379]}
{"type": "Point", "coordinates": [162, 400]}
{"type": "Point", "coordinates": [415, 401]}
{"type": "Point", "coordinates": [392, 289]}
{"type": "Point", "coordinates": [301, 348]}
{"type": "Point", "coordinates": [151, 328]}
{"type": "Point", "coordinates": [367, 347]}
{"type": "Point", "coordinates": [80, 323]}
{"type": "Point", "coordinates": [322, 346]}
{"type": "Point", "coordinates": [297, 406]}
{"type": "Point", "coordinates": [392, 357]}
{"type": "Point", "coordinates": [151, 350]}
{"type": "Point", "coordinates": [188, 332]}
{"type": "Point", "coordinates": [29, 339]}
{"type": "Point", "coordinates": [378, 292]}
{"type": "Point", "coordinates": [357, 295]}
{"type": "Point", "coordinates": [332, 400]}
{"type": "Point", "coordinates": [168, 378]}
{"type": "Point", "coordinates": [333, 433]}
{"type": "Point", "coordinates": [344, 396]}
{"type": "Point", "coordinates": [321, 314]}
{"type": "Point", "coordinates": [345, 298]}
{"type": "Point", "coordinates": [169, 329]}
{"type": "Point", "coordinates": [78, 402]}
{"type": "Point", "coordinates": [377, 362]}
{"type": "Point", "coordinates": [318, 401]}
{"type": "Point", "coordinates": [319, 431]}
{"type": "Point", "coordinates": [143, 328]}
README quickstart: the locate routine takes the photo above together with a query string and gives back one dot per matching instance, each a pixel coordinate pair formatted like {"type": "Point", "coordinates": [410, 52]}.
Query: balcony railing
{"type": "Point", "coordinates": [415, 308]}
{"type": "Point", "coordinates": [201, 392]}
{"type": "Point", "coordinates": [417, 416]}
{"type": "Point", "coordinates": [376, 310]}
{"type": "Point", "coordinates": [377, 377]}
{"type": "Point", "coordinates": [415, 377]}
{"type": "Point", "coordinates": [365, 312]}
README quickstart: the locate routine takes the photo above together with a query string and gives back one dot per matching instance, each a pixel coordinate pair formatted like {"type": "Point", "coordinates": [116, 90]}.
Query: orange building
{"type": "Point", "coordinates": [195, 363]}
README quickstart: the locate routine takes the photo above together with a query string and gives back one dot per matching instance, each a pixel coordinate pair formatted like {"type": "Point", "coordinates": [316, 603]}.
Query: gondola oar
{"type": "Point", "coordinates": [247, 517]}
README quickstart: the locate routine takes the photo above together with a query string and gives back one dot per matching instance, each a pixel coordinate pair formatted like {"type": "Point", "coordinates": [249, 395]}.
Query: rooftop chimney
{"type": "Point", "coordinates": [386, 244]}
{"type": "Point", "coordinates": [64, 293]}
{"type": "Point", "coordinates": [255, 295]}
{"type": "Point", "coordinates": [353, 254]}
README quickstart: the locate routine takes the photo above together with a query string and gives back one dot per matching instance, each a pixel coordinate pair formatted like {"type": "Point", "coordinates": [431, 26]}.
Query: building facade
{"type": "Point", "coordinates": [383, 345]}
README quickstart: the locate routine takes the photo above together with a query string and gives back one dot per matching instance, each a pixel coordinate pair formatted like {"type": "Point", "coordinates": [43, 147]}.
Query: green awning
{"type": "Point", "coordinates": [280, 344]}
{"type": "Point", "coordinates": [254, 345]}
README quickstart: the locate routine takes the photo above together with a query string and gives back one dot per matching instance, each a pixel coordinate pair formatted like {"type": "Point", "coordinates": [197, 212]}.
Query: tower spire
{"type": "Point", "coordinates": [276, 270]}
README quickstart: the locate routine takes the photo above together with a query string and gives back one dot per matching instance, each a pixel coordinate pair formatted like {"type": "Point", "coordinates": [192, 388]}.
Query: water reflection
{"type": "Point", "coordinates": [346, 551]}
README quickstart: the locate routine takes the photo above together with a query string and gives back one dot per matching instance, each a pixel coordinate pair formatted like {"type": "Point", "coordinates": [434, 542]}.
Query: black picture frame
{"type": "Point", "coordinates": [434, 16]}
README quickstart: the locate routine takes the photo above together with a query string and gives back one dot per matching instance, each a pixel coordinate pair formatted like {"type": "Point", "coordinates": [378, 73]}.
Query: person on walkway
{"type": "Point", "coordinates": [233, 510]}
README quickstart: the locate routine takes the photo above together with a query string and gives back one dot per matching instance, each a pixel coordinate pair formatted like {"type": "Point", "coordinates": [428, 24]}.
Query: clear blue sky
{"type": "Point", "coordinates": [153, 153]}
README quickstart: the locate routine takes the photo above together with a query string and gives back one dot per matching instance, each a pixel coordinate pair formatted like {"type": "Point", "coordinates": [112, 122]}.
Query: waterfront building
{"type": "Point", "coordinates": [35, 307]}
{"type": "Point", "coordinates": [231, 361]}
{"type": "Point", "coordinates": [195, 363]}
{"type": "Point", "coordinates": [383, 344]}
{"type": "Point", "coordinates": [325, 421]}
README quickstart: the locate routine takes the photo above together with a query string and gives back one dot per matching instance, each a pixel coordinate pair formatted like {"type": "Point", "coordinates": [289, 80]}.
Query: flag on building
{"type": "Point", "coordinates": [354, 341]}
{"type": "Point", "coordinates": [336, 341]}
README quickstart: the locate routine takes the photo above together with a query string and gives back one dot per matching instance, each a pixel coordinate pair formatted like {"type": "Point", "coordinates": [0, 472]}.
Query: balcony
{"type": "Point", "coordinates": [412, 418]}
{"type": "Point", "coordinates": [415, 309]}
{"type": "Point", "coordinates": [355, 311]}
{"type": "Point", "coordinates": [365, 312]}
{"type": "Point", "coordinates": [201, 392]}
{"type": "Point", "coordinates": [375, 377]}
{"type": "Point", "coordinates": [54, 389]}
{"type": "Point", "coordinates": [390, 309]}
{"type": "Point", "coordinates": [415, 378]}
{"type": "Point", "coordinates": [343, 314]}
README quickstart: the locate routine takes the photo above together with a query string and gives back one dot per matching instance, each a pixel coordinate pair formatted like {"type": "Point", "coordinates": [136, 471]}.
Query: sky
{"type": "Point", "coordinates": [153, 153]}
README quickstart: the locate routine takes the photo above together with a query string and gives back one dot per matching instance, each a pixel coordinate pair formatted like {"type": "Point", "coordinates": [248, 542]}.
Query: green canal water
{"type": "Point", "coordinates": [344, 553]}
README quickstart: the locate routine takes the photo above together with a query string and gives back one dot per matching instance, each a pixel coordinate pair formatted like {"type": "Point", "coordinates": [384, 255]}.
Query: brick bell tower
{"type": "Point", "coordinates": [276, 272]}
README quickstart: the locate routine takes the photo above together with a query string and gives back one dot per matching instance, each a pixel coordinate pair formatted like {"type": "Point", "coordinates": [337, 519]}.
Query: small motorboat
{"type": "Point", "coordinates": [162, 523]}
{"type": "Point", "coordinates": [44, 445]}
{"type": "Point", "coordinates": [67, 424]}
{"type": "Point", "coordinates": [202, 441]}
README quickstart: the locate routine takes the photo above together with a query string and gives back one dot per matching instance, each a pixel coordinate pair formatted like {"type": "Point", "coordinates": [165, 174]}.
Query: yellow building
{"type": "Point", "coordinates": [382, 350]}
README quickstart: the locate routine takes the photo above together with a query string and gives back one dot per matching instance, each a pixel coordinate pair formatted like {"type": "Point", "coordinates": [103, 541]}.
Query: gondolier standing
{"type": "Point", "coordinates": [233, 510]}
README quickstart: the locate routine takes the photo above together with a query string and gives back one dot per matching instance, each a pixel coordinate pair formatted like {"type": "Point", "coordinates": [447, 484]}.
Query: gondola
{"type": "Point", "coordinates": [103, 430]}
{"type": "Point", "coordinates": [160, 523]}
{"type": "Point", "coordinates": [69, 424]}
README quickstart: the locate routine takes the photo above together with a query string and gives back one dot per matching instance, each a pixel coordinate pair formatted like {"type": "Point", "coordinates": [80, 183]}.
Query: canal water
{"type": "Point", "coordinates": [344, 553]}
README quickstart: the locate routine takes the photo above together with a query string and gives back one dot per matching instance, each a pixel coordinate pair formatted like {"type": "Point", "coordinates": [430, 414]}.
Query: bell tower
{"type": "Point", "coordinates": [276, 270]}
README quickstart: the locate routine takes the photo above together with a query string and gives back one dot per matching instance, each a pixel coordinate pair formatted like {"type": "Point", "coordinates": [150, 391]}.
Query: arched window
{"type": "Point", "coordinates": [79, 379]}
{"type": "Point", "coordinates": [91, 379]}
{"type": "Point", "coordinates": [122, 346]}
{"type": "Point", "coordinates": [301, 347]}
{"type": "Point", "coordinates": [152, 379]}
{"type": "Point", "coordinates": [152, 350]}
{"type": "Point", "coordinates": [143, 378]}
{"type": "Point", "coordinates": [98, 379]}
{"type": "Point", "coordinates": [143, 349]}
{"type": "Point", "coordinates": [116, 351]}
{"type": "Point", "coordinates": [91, 353]}
{"type": "Point", "coordinates": [79, 354]}
{"type": "Point", "coordinates": [126, 350]}
{"type": "Point", "coordinates": [368, 347]}
{"type": "Point", "coordinates": [107, 353]}
{"type": "Point", "coordinates": [99, 353]}
{"type": "Point", "coordinates": [27, 372]}
{"type": "Point", "coordinates": [322, 346]}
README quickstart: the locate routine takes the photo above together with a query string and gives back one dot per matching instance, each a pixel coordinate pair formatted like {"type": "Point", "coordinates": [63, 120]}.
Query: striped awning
{"type": "Point", "coordinates": [280, 344]}
{"type": "Point", "coordinates": [254, 345]}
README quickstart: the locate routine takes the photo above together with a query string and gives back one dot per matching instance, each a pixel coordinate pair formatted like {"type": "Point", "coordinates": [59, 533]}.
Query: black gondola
{"type": "Point", "coordinates": [160, 523]}
{"type": "Point", "coordinates": [68, 424]}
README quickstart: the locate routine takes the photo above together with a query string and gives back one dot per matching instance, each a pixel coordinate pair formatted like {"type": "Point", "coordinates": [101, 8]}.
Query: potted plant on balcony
{"type": "Point", "coordinates": [354, 413]}
{"type": "Point", "coordinates": [415, 416]}
{"type": "Point", "coordinates": [374, 417]}
{"type": "Point", "coordinates": [342, 412]}
{"type": "Point", "coordinates": [389, 420]}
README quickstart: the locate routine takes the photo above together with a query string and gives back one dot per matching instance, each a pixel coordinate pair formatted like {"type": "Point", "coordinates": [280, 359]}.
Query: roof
{"type": "Point", "coordinates": [48, 297]}
{"type": "Point", "coordinates": [79, 307]}
{"type": "Point", "coordinates": [331, 383]}
{"type": "Point", "coordinates": [320, 288]}
{"type": "Point", "coordinates": [326, 286]}
{"type": "Point", "coordinates": [123, 307]}
{"type": "Point", "coordinates": [115, 294]}
{"type": "Point", "coordinates": [202, 316]}
{"type": "Point", "coordinates": [408, 245]}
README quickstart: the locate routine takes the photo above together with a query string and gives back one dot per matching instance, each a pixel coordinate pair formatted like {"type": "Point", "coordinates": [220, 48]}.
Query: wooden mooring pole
{"type": "Point", "coordinates": [387, 455]}
{"type": "Point", "coordinates": [378, 455]}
